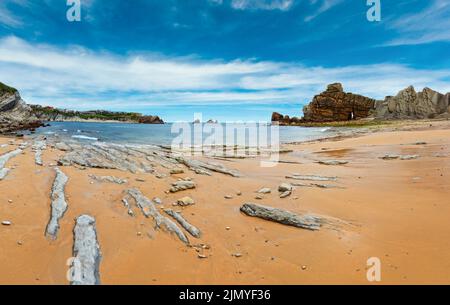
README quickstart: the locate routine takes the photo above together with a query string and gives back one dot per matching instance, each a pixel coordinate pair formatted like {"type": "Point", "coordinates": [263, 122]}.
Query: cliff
{"type": "Point", "coordinates": [15, 114]}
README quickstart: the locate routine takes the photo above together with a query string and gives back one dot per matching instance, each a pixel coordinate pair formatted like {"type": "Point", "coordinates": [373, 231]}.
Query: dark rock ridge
{"type": "Point", "coordinates": [334, 105]}
{"type": "Point", "coordinates": [15, 114]}
{"type": "Point", "coordinates": [50, 114]}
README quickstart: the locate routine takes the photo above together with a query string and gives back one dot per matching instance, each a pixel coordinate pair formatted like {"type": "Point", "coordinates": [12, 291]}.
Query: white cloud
{"type": "Point", "coordinates": [324, 6]}
{"type": "Point", "coordinates": [7, 18]}
{"type": "Point", "coordinates": [429, 25]}
{"type": "Point", "coordinates": [79, 78]}
{"type": "Point", "coordinates": [282, 5]}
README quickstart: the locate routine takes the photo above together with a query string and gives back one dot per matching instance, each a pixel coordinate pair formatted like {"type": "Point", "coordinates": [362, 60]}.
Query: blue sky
{"type": "Point", "coordinates": [229, 59]}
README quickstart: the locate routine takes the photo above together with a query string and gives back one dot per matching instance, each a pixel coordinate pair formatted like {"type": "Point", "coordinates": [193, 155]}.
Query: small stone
{"type": "Point", "coordinates": [265, 190]}
{"type": "Point", "coordinates": [285, 194]}
{"type": "Point", "coordinates": [201, 256]}
{"type": "Point", "coordinates": [237, 255]}
{"type": "Point", "coordinates": [285, 187]}
{"type": "Point", "coordinates": [6, 223]}
{"type": "Point", "coordinates": [139, 233]}
{"type": "Point", "coordinates": [20, 243]}
{"type": "Point", "coordinates": [304, 267]}
{"type": "Point", "coordinates": [176, 171]}
{"type": "Point", "coordinates": [258, 197]}
{"type": "Point", "coordinates": [157, 200]}
{"type": "Point", "coordinates": [239, 193]}
{"type": "Point", "coordinates": [10, 201]}
{"type": "Point", "coordinates": [185, 201]}
{"type": "Point", "coordinates": [140, 180]}
{"type": "Point", "coordinates": [228, 197]}
{"type": "Point", "coordinates": [228, 228]}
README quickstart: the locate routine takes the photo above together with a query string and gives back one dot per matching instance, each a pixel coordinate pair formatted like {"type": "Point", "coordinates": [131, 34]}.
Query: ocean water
{"type": "Point", "coordinates": [165, 134]}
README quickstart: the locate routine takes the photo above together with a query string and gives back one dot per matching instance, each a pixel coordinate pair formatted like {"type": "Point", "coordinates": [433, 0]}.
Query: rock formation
{"type": "Point", "coordinates": [15, 114]}
{"type": "Point", "coordinates": [307, 222]}
{"type": "Point", "coordinates": [58, 205]}
{"type": "Point", "coordinates": [409, 104]}
{"type": "Point", "coordinates": [86, 253]}
{"type": "Point", "coordinates": [336, 105]}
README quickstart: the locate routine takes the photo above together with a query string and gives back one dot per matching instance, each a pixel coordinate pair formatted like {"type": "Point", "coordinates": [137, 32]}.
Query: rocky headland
{"type": "Point", "coordinates": [336, 105]}
{"type": "Point", "coordinates": [15, 114]}
{"type": "Point", "coordinates": [50, 114]}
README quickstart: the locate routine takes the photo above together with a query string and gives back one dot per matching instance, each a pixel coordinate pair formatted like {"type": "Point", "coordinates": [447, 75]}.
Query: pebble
{"type": "Point", "coordinates": [285, 187]}
{"type": "Point", "coordinates": [239, 193]}
{"type": "Point", "coordinates": [237, 255]}
{"type": "Point", "coordinates": [6, 223]}
{"type": "Point", "coordinates": [259, 197]}
{"type": "Point", "coordinates": [228, 197]}
{"type": "Point", "coordinates": [10, 201]}
{"type": "Point", "coordinates": [265, 190]}
{"type": "Point", "coordinates": [228, 228]}
{"type": "Point", "coordinates": [202, 256]}
{"type": "Point", "coordinates": [185, 201]}
{"type": "Point", "coordinates": [157, 200]}
{"type": "Point", "coordinates": [304, 267]}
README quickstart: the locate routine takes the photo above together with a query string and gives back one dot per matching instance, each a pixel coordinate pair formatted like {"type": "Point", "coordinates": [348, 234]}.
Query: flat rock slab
{"type": "Point", "coordinates": [149, 210]}
{"type": "Point", "coordinates": [58, 203]}
{"type": "Point", "coordinates": [4, 159]}
{"type": "Point", "coordinates": [333, 162]}
{"type": "Point", "coordinates": [184, 223]}
{"type": "Point", "coordinates": [86, 253]}
{"type": "Point", "coordinates": [311, 177]}
{"type": "Point", "coordinates": [182, 185]}
{"type": "Point", "coordinates": [307, 222]}
{"type": "Point", "coordinates": [110, 179]}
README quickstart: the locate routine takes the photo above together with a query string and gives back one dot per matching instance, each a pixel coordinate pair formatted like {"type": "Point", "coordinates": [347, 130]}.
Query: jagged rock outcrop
{"type": "Point", "coordinates": [336, 105]}
{"type": "Point", "coordinates": [15, 114]}
{"type": "Point", "coordinates": [409, 104]}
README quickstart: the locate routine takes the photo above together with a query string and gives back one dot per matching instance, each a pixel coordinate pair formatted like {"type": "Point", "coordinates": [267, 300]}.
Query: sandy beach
{"type": "Point", "coordinates": [396, 210]}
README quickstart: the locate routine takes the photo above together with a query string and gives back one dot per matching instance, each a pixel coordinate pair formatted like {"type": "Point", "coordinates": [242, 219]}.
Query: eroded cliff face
{"type": "Point", "coordinates": [15, 114]}
{"type": "Point", "coordinates": [336, 105]}
{"type": "Point", "coordinates": [409, 104]}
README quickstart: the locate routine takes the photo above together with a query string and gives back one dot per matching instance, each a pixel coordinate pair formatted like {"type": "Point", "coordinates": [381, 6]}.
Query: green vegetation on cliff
{"type": "Point", "coordinates": [52, 114]}
{"type": "Point", "coordinates": [6, 89]}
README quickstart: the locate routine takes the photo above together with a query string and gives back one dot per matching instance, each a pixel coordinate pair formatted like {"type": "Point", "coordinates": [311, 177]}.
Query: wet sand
{"type": "Point", "coordinates": [397, 210]}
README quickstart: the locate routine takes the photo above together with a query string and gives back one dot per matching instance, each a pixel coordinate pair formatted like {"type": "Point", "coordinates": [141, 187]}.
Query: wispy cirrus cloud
{"type": "Point", "coordinates": [322, 7]}
{"type": "Point", "coordinates": [282, 5]}
{"type": "Point", "coordinates": [79, 78]}
{"type": "Point", "coordinates": [427, 26]}
{"type": "Point", "coordinates": [7, 17]}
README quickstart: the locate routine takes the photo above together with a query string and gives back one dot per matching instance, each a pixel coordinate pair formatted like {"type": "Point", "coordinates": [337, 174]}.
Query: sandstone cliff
{"type": "Point", "coordinates": [15, 114]}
